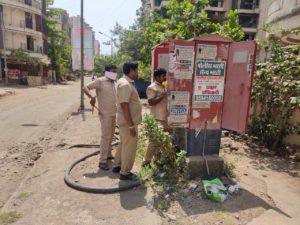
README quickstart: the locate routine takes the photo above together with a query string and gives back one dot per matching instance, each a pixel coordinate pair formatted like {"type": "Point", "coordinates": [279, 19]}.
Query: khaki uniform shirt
{"type": "Point", "coordinates": [156, 90]}
{"type": "Point", "coordinates": [106, 95]}
{"type": "Point", "coordinates": [127, 93]}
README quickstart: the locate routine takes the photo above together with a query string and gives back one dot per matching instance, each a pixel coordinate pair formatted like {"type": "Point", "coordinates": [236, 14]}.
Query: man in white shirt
{"type": "Point", "coordinates": [158, 101]}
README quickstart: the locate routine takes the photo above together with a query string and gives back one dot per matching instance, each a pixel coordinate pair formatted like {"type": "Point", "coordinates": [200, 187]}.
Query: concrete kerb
{"type": "Point", "coordinates": [197, 166]}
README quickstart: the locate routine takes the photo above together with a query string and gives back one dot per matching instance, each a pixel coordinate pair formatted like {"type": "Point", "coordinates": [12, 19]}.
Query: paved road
{"type": "Point", "coordinates": [24, 114]}
{"type": "Point", "coordinates": [28, 120]}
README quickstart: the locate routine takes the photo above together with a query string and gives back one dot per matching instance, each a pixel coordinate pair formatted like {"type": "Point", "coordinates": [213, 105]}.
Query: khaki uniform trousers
{"type": "Point", "coordinates": [108, 125]}
{"type": "Point", "coordinates": [126, 150]}
{"type": "Point", "coordinates": [150, 149]}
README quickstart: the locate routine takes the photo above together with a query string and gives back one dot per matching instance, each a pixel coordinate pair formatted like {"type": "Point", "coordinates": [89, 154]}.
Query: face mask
{"type": "Point", "coordinates": [111, 75]}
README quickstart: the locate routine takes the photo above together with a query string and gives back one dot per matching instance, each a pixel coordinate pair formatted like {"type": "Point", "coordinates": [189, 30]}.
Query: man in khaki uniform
{"type": "Point", "coordinates": [106, 97]}
{"type": "Point", "coordinates": [129, 115]}
{"type": "Point", "coordinates": [157, 99]}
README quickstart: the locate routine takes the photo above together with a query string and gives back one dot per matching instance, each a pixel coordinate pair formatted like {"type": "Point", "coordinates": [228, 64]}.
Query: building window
{"type": "Point", "coordinates": [30, 45]}
{"type": "Point", "coordinates": [157, 3]}
{"type": "Point", "coordinates": [28, 20]}
{"type": "Point", "coordinates": [249, 4]}
{"type": "Point", "coordinates": [216, 17]}
{"type": "Point", "coordinates": [250, 36]}
{"type": "Point", "coordinates": [248, 20]}
{"type": "Point", "coordinates": [44, 6]}
{"type": "Point", "coordinates": [28, 2]}
{"type": "Point", "coordinates": [38, 22]}
{"type": "Point", "coordinates": [216, 3]}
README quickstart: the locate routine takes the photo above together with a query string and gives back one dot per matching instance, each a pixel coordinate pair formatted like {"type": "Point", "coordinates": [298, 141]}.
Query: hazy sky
{"type": "Point", "coordinates": [103, 14]}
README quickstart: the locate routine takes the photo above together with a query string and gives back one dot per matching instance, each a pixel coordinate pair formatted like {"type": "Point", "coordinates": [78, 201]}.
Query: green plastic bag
{"type": "Point", "coordinates": [215, 189]}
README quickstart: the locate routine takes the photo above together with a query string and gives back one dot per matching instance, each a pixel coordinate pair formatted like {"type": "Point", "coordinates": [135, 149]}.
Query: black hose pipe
{"type": "Point", "coordinates": [98, 190]}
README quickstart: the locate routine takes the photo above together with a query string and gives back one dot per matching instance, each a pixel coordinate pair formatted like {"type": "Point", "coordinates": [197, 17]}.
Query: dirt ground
{"type": "Point", "coordinates": [269, 193]}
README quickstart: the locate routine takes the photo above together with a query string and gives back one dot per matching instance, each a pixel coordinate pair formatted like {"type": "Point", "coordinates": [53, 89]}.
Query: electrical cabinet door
{"type": "Point", "coordinates": [238, 85]}
{"type": "Point", "coordinates": [160, 58]}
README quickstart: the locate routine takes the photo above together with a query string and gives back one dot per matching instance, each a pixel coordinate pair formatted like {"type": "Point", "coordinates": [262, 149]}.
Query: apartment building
{"type": "Point", "coordinates": [249, 12]}
{"type": "Point", "coordinates": [63, 23]}
{"type": "Point", "coordinates": [21, 28]}
{"type": "Point", "coordinates": [150, 5]}
{"type": "Point", "coordinates": [89, 44]}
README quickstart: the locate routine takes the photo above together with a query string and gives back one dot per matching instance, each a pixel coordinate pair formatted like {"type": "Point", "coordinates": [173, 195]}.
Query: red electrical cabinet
{"type": "Point", "coordinates": [209, 81]}
{"type": "Point", "coordinates": [209, 85]}
{"type": "Point", "coordinates": [180, 82]}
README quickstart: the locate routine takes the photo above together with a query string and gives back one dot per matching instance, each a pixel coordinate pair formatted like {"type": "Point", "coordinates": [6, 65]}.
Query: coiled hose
{"type": "Point", "coordinates": [100, 190]}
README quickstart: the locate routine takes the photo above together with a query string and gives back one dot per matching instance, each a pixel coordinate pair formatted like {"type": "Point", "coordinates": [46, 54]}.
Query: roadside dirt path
{"type": "Point", "coordinates": [49, 201]}
{"type": "Point", "coordinates": [270, 186]}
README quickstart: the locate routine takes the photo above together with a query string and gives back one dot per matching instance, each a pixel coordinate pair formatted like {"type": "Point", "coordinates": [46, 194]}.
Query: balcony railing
{"type": "Point", "coordinates": [35, 4]}
{"type": "Point", "coordinates": [249, 5]}
{"type": "Point", "coordinates": [216, 3]}
{"type": "Point", "coordinates": [21, 27]}
{"type": "Point", "coordinates": [37, 49]}
{"type": "Point", "coordinates": [23, 46]}
{"type": "Point", "coordinates": [26, 24]}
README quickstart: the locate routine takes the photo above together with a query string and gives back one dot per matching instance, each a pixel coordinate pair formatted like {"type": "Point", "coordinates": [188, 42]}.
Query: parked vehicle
{"type": "Point", "coordinates": [141, 87]}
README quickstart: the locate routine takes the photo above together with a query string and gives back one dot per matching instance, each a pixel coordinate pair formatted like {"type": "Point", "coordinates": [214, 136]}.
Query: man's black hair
{"type": "Point", "coordinates": [109, 67]}
{"type": "Point", "coordinates": [158, 72]}
{"type": "Point", "coordinates": [129, 66]}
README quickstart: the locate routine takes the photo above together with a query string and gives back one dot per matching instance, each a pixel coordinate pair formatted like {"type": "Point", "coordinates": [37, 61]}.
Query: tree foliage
{"type": "Point", "coordinates": [183, 19]}
{"type": "Point", "coordinates": [276, 95]}
{"type": "Point", "coordinates": [59, 50]}
{"type": "Point", "coordinates": [231, 28]}
{"type": "Point", "coordinates": [102, 60]}
{"type": "Point", "coordinates": [23, 55]}
{"type": "Point", "coordinates": [169, 166]}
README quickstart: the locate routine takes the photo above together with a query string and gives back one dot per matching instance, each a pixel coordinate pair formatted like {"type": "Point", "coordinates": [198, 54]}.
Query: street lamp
{"type": "Point", "coordinates": [111, 42]}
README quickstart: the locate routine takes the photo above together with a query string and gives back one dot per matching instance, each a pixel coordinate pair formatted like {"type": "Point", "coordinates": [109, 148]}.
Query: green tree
{"type": "Point", "coordinates": [59, 51]}
{"type": "Point", "coordinates": [231, 28]}
{"type": "Point", "coordinates": [102, 60]}
{"type": "Point", "coordinates": [183, 19]}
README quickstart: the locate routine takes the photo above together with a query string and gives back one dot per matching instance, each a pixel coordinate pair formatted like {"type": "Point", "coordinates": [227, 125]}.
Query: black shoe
{"type": "Point", "coordinates": [103, 166]}
{"type": "Point", "coordinates": [129, 176]}
{"type": "Point", "coordinates": [116, 169]}
{"type": "Point", "coordinates": [110, 158]}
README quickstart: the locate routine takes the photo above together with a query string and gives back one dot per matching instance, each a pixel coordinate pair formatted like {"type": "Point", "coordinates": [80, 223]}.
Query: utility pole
{"type": "Point", "coordinates": [111, 40]}
{"type": "Point", "coordinates": [82, 60]}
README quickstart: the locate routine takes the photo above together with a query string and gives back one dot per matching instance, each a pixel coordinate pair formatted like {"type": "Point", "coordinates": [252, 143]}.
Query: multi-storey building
{"type": "Point", "coordinates": [21, 24]}
{"type": "Point", "coordinates": [89, 41]}
{"type": "Point", "coordinates": [249, 11]}
{"type": "Point", "coordinates": [150, 5]}
{"type": "Point", "coordinates": [96, 47]}
{"type": "Point", "coordinates": [63, 23]}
